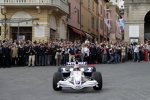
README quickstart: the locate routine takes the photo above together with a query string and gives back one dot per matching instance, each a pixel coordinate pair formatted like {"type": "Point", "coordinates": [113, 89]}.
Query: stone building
{"type": "Point", "coordinates": [112, 22]}
{"type": "Point", "coordinates": [90, 18]}
{"type": "Point", "coordinates": [86, 20]}
{"type": "Point", "coordinates": [104, 19]}
{"type": "Point", "coordinates": [137, 20]}
{"type": "Point", "coordinates": [114, 32]}
{"type": "Point", "coordinates": [33, 19]}
{"type": "Point", "coordinates": [74, 32]}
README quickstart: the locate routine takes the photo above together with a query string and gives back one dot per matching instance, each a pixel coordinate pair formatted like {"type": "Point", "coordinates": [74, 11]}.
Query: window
{"type": "Point", "coordinates": [101, 24]}
{"type": "Point", "coordinates": [93, 5]}
{"type": "Point", "coordinates": [69, 10]}
{"type": "Point", "coordinates": [92, 22]}
{"type": "Point", "coordinates": [101, 9]}
{"type": "Point", "coordinates": [52, 34]}
{"type": "Point", "coordinates": [97, 24]}
{"type": "Point", "coordinates": [82, 20]}
{"type": "Point", "coordinates": [97, 9]}
{"type": "Point", "coordinates": [89, 24]}
{"type": "Point", "coordinates": [81, 1]}
{"type": "Point", "coordinates": [78, 15]}
{"type": "Point", "coordinates": [107, 15]}
{"type": "Point", "coordinates": [88, 4]}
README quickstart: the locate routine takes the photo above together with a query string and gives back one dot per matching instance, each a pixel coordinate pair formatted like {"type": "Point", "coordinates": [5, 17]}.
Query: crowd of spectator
{"type": "Point", "coordinates": [58, 52]}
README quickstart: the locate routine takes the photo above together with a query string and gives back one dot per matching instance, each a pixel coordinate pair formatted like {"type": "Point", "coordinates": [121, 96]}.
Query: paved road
{"type": "Point", "coordinates": [127, 81]}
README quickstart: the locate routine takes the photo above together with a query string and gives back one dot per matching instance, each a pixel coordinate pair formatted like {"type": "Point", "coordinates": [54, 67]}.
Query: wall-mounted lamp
{"type": "Point", "coordinates": [3, 10]}
{"type": "Point", "coordinates": [38, 9]}
{"type": "Point", "coordinates": [37, 24]}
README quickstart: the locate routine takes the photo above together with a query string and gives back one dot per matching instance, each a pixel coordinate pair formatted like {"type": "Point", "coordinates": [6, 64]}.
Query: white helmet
{"type": "Point", "coordinates": [76, 66]}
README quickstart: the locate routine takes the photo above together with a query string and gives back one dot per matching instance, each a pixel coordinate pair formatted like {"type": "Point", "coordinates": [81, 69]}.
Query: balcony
{"type": "Point", "coordinates": [61, 4]}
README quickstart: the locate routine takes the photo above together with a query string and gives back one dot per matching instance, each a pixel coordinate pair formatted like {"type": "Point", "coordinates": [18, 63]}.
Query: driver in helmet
{"type": "Point", "coordinates": [76, 67]}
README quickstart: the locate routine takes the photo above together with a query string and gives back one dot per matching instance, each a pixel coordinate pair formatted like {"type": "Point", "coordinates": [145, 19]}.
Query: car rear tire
{"type": "Point", "coordinates": [56, 78]}
{"type": "Point", "coordinates": [59, 69]}
{"type": "Point", "coordinates": [98, 77]}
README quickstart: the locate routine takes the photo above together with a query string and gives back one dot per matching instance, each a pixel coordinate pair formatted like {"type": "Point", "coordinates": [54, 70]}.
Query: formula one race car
{"type": "Point", "coordinates": [77, 75]}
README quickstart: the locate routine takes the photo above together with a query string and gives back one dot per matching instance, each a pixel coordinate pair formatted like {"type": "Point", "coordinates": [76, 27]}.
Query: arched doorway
{"type": "Point", "coordinates": [147, 26]}
{"type": "Point", "coordinates": [23, 30]}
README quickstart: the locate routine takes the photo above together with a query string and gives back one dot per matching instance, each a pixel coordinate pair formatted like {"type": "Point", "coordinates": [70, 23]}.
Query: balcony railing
{"type": "Point", "coordinates": [61, 4]}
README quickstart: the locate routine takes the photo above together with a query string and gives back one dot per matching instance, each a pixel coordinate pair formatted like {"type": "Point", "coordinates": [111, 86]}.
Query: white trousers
{"type": "Point", "coordinates": [31, 60]}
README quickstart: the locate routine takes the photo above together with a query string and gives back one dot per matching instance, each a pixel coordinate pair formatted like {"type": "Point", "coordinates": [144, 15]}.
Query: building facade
{"type": "Point", "coordinates": [103, 20]}
{"type": "Point", "coordinates": [89, 18]}
{"type": "Point", "coordinates": [58, 19]}
{"type": "Point", "coordinates": [115, 34]}
{"type": "Point", "coordinates": [92, 19]}
{"type": "Point", "coordinates": [33, 19]}
{"type": "Point", "coordinates": [137, 20]}
{"type": "Point", "coordinates": [112, 26]}
{"type": "Point", "coordinates": [74, 27]}
{"type": "Point", "coordinates": [86, 19]}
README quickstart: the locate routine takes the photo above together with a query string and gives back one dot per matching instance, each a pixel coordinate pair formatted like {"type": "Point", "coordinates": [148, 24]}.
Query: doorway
{"type": "Point", "coordinates": [21, 33]}
{"type": "Point", "coordinates": [52, 34]}
{"type": "Point", "coordinates": [147, 26]}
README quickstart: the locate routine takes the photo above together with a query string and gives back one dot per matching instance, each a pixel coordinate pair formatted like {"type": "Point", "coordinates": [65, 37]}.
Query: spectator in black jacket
{"type": "Point", "coordinates": [6, 56]}
{"type": "Point", "coordinates": [49, 54]}
{"type": "Point", "coordinates": [93, 53]}
{"type": "Point", "coordinates": [21, 57]}
{"type": "Point", "coordinates": [26, 55]}
{"type": "Point", "coordinates": [46, 54]}
{"type": "Point", "coordinates": [37, 56]}
{"type": "Point", "coordinates": [53, 61]}
{"type": "Point", "coordinates": [42, 54]}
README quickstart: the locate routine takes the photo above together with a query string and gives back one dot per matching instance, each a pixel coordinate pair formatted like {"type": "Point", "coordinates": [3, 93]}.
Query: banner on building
{"type": "Point", "coordinates": [134, 31]}
{"type": "Point", "coordinates": [39, 31]}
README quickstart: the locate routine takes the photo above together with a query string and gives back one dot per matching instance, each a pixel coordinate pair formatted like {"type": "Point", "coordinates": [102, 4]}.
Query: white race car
{"type": "Point", "coordinates": [77, 76]}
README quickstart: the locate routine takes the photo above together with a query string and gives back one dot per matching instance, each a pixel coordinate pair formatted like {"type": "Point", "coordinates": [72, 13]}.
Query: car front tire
{"type": "Point", "coordinates": [98, 77]}
{"type": "Point", "coordinates": [56, 78]}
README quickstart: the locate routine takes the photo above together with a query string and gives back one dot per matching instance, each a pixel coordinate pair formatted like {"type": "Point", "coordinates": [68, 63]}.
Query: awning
{"type": "Point", "coordinates": [77, 31]}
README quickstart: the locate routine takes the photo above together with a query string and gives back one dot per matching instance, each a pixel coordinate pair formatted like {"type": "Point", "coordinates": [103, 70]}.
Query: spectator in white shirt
{"type": "Point", "coordinates": [136, 52]}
